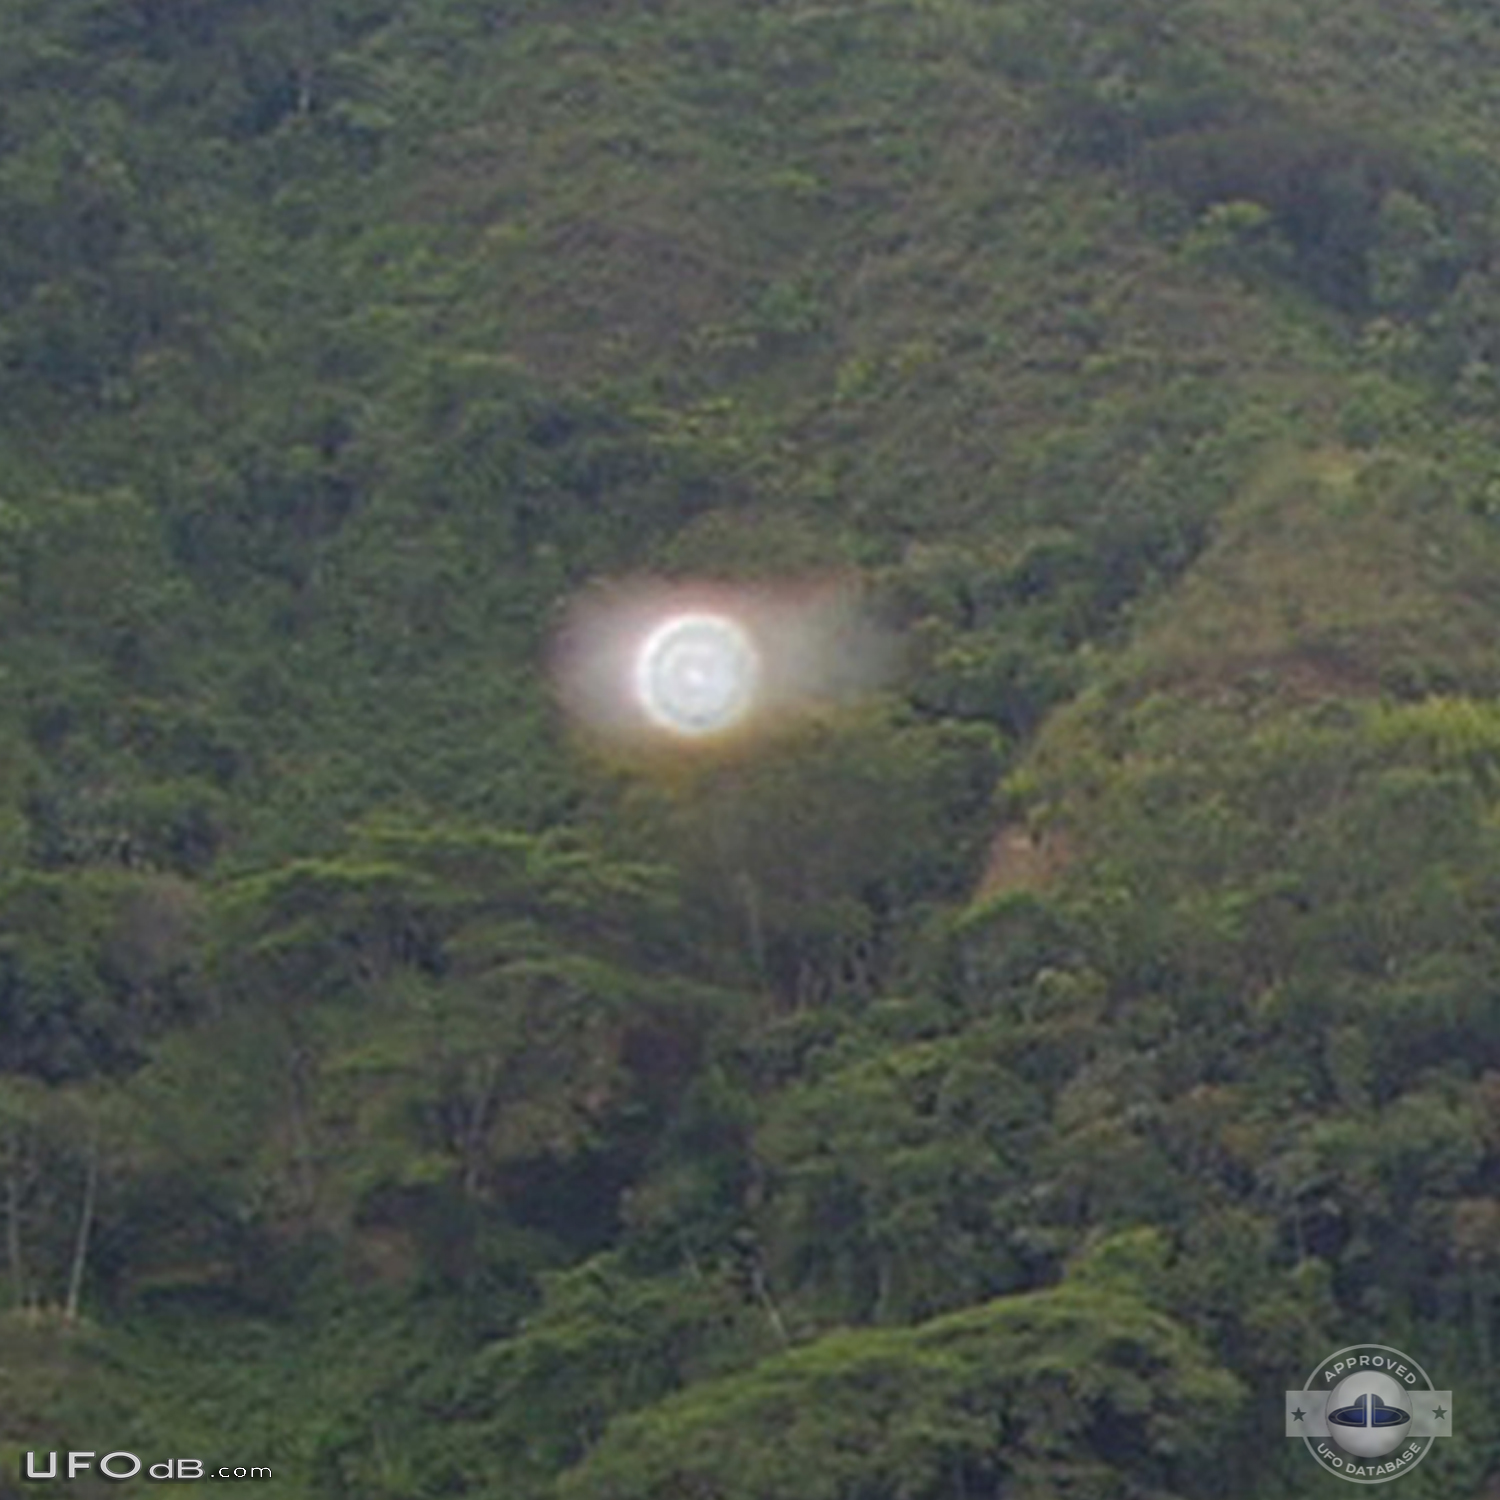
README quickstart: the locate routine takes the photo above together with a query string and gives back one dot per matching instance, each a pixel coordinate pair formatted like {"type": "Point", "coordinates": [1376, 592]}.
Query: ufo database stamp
{"type": "Point", "coordinates": [1369, 1414]}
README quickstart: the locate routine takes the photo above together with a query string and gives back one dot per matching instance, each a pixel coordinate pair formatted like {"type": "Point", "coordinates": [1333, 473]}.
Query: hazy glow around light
{"type": "Point", "coordinates": [650, 665]}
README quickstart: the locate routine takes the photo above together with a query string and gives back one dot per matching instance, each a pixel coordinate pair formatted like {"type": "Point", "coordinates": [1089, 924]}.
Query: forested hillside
{"type": "Point", "coordinates": [1009, 1084]}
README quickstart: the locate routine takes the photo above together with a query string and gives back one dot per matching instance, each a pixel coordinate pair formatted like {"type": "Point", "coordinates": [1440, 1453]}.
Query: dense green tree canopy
{"type": "Point", "coordinates": [1007, 1082]}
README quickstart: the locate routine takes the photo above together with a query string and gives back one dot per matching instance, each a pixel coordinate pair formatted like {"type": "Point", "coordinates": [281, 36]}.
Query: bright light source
{"type": "Point", "coordinates": [697, 674]}
{"type": "Point", "coordinates": [653, 665]}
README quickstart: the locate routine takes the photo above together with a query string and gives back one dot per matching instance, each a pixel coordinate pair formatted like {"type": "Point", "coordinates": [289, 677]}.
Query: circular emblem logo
{"type": "Point", "coordinates": [1369, 1413]}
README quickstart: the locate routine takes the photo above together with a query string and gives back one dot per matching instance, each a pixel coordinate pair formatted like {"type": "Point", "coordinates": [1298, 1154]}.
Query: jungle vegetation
{"type": "Point", "coordinates": [1008, 1086]}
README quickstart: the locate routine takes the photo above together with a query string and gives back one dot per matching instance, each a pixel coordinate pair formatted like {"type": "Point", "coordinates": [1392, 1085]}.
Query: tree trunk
{"type": "Point", "coordinates": [304, 1170]}
{"type": "Point", "coordinates": [1483, 1307]}
{"type": "Point", "coordinates": [85, 1229]}
{"type": "Point", "coordinates": [763, 1296]}
{"type": "Point", "coordinates": [478, 1116]}
{"type": "Point", "coordinates": [20, 1296]}
{"type": "Point", "coordinates": [884, 1284]}
{"type": "Point", "coordinates": [754, 928]}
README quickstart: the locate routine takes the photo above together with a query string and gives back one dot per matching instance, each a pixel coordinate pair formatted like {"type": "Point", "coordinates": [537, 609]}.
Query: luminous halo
{"type": "Point", "coordinates": [697, 674]}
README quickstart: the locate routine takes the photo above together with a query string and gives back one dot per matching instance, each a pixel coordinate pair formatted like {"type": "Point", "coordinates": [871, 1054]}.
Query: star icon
{"type": "Point", "coordinates": [1298, 1414]}
{"type": "Point", "coordinates": [1441, 1413]}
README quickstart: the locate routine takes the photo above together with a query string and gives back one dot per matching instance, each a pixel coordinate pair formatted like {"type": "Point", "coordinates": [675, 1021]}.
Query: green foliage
{"type": "Point", "coordinates": [1241, 238]}
{"type": "Point", "coordinates": [895, 1188]}
{"type": "Point", "coordinates": [603, 1343]}
{"type": "Point", "coordinates": [392, 1091]}
{"type": "Point", "coordinates": [1070, 1390]}
{"type": "Point", "coordinates": [90, 967]}
{"type": "Point", "coordinates": [804, 853]}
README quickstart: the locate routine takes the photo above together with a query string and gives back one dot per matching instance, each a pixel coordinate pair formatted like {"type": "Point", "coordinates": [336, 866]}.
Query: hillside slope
{"type": "Point", "coordinates": [1010, 1082]}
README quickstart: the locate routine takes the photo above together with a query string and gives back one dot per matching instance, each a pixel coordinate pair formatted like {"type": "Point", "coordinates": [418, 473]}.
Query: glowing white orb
{"type": "Point", "coordinates": [697, 674]}
{"type": "Point", "coordinates": [670, 667]}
